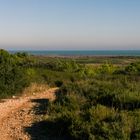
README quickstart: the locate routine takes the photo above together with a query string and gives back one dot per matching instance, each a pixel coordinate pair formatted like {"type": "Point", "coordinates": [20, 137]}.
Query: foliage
{"type": "Point", "coordinates": [133, 68]}
{"type": "Point", "coordinates": [103, 106]}
{"type": "Point", "coordinates": [12, 77]}
{"type": "Point", "coordinates": [94, 102]}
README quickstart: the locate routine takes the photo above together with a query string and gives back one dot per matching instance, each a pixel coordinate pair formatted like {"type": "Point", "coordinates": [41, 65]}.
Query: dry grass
{"type": "Point", "coordinates": [35, 88]}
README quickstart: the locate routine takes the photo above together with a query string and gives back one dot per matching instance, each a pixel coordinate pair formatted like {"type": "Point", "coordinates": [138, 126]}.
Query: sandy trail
{"type": "Point", "coordinates": [17, 114]}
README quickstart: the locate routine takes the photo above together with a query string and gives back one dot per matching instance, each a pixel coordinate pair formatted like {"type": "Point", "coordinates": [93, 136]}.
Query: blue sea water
{"type": "Point", "coordinates": [82, 52]}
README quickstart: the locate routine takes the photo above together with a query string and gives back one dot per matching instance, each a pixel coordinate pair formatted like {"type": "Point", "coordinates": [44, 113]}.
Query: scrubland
{"type": "Point", "coordinates": [94, 102]}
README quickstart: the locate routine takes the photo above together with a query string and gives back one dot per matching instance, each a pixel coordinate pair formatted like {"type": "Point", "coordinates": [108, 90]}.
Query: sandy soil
{"type": "Point", "coordinates": [18, 114]}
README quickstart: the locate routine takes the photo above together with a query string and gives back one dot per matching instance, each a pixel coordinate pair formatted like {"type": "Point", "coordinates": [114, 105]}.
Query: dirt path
{"type": "Point", "coordinates": [18, 114]}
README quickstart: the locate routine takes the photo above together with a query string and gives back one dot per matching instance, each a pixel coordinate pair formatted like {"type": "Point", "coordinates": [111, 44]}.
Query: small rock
{"type": "Point", "coordinates": [13, 97]}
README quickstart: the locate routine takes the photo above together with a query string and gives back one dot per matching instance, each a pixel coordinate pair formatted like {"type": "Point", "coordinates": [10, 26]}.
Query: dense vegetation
{"type": "Point", "coordinates": [103, 104]}
{"type": "Point", "coordinates": [97, 102]}
{"type": "Point", "coordinates": [12, 76]}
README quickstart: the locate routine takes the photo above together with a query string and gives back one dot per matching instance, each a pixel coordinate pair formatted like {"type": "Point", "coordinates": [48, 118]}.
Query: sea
{"type": "Point", "coordinates": [81, 52]}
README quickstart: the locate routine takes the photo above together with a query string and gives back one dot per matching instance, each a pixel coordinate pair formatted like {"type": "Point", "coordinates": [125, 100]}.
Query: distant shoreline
{"type": "Point", "coordinates": [86, 56]}
{"type": "Point", "coordinates": [81, 53]}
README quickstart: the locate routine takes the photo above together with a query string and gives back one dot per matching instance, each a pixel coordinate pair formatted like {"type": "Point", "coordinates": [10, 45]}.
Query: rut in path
{"type": "Point", "coordinates": [18, 114]}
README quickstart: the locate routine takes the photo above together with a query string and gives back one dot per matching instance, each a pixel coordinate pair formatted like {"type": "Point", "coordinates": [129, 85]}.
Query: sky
{"type": "Point", "coordinates": [70, 24]}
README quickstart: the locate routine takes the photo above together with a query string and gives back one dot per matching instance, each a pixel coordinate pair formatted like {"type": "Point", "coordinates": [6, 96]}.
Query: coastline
{"type": "Point", "coordinates": [81, 53]}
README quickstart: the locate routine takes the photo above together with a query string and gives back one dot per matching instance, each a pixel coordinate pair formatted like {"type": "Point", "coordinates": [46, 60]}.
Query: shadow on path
{"type": "Point", "coordinates": [42, 130]}
{"type": "Point", "coordinates": [41, 107]}
{"type": "Point", "coordinates": [37, 131]}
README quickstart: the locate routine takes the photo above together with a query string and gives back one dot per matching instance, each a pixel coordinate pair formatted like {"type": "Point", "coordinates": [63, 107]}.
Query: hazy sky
{"type": "Point", "coordinates": [70, 24]}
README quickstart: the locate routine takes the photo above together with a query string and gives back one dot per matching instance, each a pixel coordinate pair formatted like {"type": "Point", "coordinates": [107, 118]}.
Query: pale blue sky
{"type": "Point", "coordinates": [70, 24]}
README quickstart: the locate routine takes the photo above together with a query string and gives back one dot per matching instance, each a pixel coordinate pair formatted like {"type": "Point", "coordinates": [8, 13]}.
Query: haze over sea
{"type": "Point", "coordinates": [81, 52]}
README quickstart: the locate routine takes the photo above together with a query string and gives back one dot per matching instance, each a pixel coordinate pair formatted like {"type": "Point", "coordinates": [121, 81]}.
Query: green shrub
{"type": "Point", "coordinates": [12, 76]}
{"type": "Point", "coordinates": [133, 68]}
